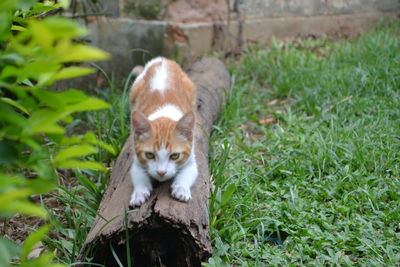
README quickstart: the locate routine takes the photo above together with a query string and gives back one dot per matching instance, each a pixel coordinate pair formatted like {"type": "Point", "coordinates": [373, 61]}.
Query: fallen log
{"type": "Point", "coordinates": [163, 231]}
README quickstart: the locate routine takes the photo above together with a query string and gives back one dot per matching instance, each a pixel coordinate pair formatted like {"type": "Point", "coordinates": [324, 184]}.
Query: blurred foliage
{"type": "Point", "coordinates": [36, 50]}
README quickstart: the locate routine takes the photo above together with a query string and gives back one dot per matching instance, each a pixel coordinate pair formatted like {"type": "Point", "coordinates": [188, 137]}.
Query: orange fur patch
{"type": "Point", "coordinates": [178, 91]}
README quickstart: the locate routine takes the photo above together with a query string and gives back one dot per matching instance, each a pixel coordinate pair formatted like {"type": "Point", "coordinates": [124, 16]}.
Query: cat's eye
{"type": "Point", "coordinates": [174, 156]}
{"type": "Point", "coordinates": [149, 155]}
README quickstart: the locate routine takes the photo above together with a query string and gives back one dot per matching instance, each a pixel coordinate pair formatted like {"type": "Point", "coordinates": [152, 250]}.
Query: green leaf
{"type": "Point", "coordinates": [7, 180]}
{"type": "Point", "coordinates": [88, 104]}
{"type": "Point", "coordinates": [64, 27]}
{"type": "Point", "coordinates": [5, 22]}
{"type": "Point", "coordinates": [44, 169]}
{"type": "Point", "coordinates": [73, 96]}
{"type": "Point", "coordinates": [41, 185]}
{"type": "Point", "coordinates": [72, 72]}
{"type": "Point", "coordinates": [81, 53]}
{"type": "Point", "coordinates": [68, 119]}
{"type": "Point", "coordinates": [71, 140]}
{"type": "Point", "coordinates": [48, 129]}
{"type": "Point", "coordinates": [9, 152]}
{"type": "Point", "coordinates": [8, 250]}
{"type": "Point", "coordinates": [32, 240]}
{"type": "Point", "coordinates": [7, 5]}
{"type": "Point", "coordinates": [50, 99]}
{"type": "Point", "coordinates": [85, 181]}
{"type": "Point", "coordinates": [15, 201]}
{"type": "Point", "coordinates": [41, 8]}
{"type": "Point", "coordinates": [228, 194]}
{"type": "Point", "coordinates": [9, 71]}
{"type": "Point", "coordinates": [44, 121]}
{"type": "Point", "coordinates": [74, 152]}
{"type": "Point", "coordinates": [107, 147]}
{"type": "Point", "coordinates": [10, 196]}
{"type": "Point", "coordinates": [18, 28]}
{"type": "Point", "coordinates": [27, 82]}
{"type": "Point", "coordinates": [90, 137]}
{"type": "Point", "coordinates": [89, 165]}
{"type": "Point", "coordinates": [26, 208]}
{"type": "Point", "coordinates": [41, 34]}
{"type": "Point", "coordinates": [11, 58]}
{"type": "Point", "coordinates": [41, 70]}
{"type": "Point", "coordinates": [14, 104]}
{"type": "Point", "coordinates": [9, 115]}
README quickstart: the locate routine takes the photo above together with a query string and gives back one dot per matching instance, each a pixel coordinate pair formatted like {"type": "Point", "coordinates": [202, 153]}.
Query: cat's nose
{"type": "Point", "coordinates": [161, 173]}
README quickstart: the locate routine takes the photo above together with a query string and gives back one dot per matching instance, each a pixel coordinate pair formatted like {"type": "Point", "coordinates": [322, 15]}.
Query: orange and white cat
{"type": "Point", "coordinates": [163, 102]}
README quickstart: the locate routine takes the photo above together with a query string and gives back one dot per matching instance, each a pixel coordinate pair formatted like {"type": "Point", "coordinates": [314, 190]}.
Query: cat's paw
{"type": "Point", "coordinates": [139, 196]}
{"type": "Point", "coordinates": [181, 193]}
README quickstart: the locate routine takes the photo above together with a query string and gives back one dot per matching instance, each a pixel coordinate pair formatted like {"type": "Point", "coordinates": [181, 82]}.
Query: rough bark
{"type": "Point", "coordinates": [163, 231]}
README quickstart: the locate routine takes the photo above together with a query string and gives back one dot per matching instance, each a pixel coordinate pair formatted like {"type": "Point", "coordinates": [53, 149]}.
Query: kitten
{"type": "Point", "coordinates": [163, 99]}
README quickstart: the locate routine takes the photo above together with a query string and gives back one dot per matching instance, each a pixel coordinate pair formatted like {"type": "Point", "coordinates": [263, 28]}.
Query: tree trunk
{"type": "Point", "coordinates": [163, 231]}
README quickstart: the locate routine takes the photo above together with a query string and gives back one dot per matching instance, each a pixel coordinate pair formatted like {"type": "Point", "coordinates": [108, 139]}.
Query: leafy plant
{"type": "Point", "coordinates": [36, 53]}
{"type": "Point", "coordinates": [80, 201]}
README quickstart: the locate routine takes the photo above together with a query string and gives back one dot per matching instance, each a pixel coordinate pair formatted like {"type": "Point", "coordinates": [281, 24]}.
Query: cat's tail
{"type": "Point", "coordinates": [137, 70]}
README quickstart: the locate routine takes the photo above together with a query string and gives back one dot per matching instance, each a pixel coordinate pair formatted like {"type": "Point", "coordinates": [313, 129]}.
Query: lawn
{"type": "Point", "coordinates": [306, 156]}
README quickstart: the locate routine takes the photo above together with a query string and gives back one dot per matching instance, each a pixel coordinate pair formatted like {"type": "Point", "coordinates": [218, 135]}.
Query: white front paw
{"type": "Point", "coordinates": [181, 193]}
{"type": "Point", "coordinates": [139, 196]}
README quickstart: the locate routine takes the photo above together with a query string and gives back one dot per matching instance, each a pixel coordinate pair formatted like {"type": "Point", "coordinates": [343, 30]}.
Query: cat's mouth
{"type": "Point", "coordinates": [161, 178]}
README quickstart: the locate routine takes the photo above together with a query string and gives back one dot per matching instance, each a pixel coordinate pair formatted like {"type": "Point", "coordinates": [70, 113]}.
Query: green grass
{"type": "Point", "coordinates": [320, 185]}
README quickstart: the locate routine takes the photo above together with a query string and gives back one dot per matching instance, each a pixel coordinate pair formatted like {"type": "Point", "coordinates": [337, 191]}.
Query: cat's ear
{"type": "Point", "coordinates": [140, 125]}
{"type": "Point", "coordinates": [184, 127]}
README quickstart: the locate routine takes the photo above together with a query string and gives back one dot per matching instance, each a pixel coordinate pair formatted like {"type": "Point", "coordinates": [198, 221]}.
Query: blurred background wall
{"type": "Point", "coordinates": [134, 31]}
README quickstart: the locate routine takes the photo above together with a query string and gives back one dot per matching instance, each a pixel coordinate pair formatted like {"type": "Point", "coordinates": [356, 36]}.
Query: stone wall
{"type": "Point", "coordinates": [289, 8]}
{"type": "Point", "coordinates": [211, 10]}
{"type": "Point", "coordinates": [137, 30]}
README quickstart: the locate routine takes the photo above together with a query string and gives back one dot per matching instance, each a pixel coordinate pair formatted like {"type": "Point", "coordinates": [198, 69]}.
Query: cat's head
{"type": "Point", "coordinates": [162, 146]}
